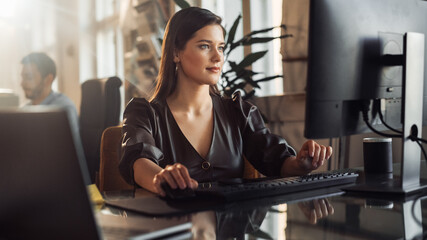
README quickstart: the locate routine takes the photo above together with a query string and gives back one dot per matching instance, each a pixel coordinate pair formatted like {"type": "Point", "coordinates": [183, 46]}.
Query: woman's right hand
{"type": "Point", "coordinates": [175, 175]}
{"type": "Point", "coordinates": [316, 209]}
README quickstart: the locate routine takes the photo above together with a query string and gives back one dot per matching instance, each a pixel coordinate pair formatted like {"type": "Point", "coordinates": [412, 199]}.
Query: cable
{"type": "Point", "coordinates": [422, 149]}
{"type": "Point", "coordinates": [381, 133]}
{"type": "Point", "coordinates": [413, 138]}
{"type": "Point", "coordinates": [366, 119]}
{"type": "Point", "coordinates": [382, 119]}
{"type": "Point", "coordinates": [420, 198]}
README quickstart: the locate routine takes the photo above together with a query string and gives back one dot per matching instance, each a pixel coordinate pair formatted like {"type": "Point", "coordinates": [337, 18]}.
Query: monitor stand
{"type": "Point", "coordinates": [412, 108]}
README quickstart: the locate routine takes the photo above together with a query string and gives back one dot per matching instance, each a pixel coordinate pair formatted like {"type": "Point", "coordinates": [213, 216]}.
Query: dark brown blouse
{"type": "Point", "coordinates": [150, 131]}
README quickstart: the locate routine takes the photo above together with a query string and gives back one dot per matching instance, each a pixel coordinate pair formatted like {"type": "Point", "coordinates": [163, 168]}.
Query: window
{"type": "Point", "coordinates": [228, 13]}
{"type": "Point", "coordinates": [263, 14]}
{"type": "Point", "coordinates": [104, 56]}
{"type": "Point", "coordinates": [101, 48]}
{"type": "Point", "coordinates": [266, 14]}
{"type": "Point", "coordinates": [101, 41]}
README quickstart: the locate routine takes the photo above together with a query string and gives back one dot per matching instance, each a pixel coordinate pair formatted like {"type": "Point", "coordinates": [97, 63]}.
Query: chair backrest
{"type": "Point", "coordinates": [99, 109]}
{"type": "Point", "coordinates": [109, 175]}
{"type": "Point", "coordinates": [250, 172]}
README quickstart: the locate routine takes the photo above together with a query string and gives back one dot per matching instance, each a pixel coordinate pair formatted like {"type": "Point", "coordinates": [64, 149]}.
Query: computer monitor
{"type": "Point", "coordinates": [360, 53]}
{"type": "Point", "coordinates": [8, 98]}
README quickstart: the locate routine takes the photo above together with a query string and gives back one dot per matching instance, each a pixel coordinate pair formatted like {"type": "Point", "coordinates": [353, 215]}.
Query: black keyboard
{"type": "Point", "coordinates": [242, 189]}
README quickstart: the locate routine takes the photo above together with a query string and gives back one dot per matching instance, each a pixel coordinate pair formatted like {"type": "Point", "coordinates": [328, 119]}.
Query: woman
{"type": "Point", "coordinates": [188, 133]}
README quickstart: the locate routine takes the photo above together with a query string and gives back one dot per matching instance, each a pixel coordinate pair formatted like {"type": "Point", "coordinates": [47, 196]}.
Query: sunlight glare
{"type": "Point", "coordinates": [7, 8]}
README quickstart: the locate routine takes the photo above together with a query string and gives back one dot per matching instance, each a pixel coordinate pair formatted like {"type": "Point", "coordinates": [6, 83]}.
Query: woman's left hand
{"type": "Point", "coordinates": [313, 155]}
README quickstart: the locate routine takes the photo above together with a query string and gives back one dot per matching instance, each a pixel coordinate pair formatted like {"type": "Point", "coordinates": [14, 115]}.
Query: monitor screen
{"type": "Point", "coordinates": [347, 42]}
{"type": "Point", "coordinates": [8, 98]}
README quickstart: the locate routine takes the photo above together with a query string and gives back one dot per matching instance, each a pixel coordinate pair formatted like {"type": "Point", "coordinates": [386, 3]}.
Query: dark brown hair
{"type": "Point", "coordinates": [43, 62]}
{"type": "Point", "coordinates": [180, 28]}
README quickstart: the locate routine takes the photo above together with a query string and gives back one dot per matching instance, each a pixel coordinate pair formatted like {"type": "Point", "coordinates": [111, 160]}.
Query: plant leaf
{"type": "Point", "coordinates": [234, 45]}
{"type": "Point", "coordinates": [182, 3]}
{"type": "Point", "coordinates": [265, 30]}
{"type": "Point", "coordinates": [247, 38]}
{"type": "Point", "coordinates": [251, 58]}
{"type": "Point", "coordinates": [244, 73]}
{"type": "Point", "coordinates": [260, 31]}
{"type": "Point", "coordinates": [252, 82]}
{"type": "Point", "coordinates": [283, 26]}
{"type": "Point", "coordinates": [233, 64]}
{"type": "Point", "coordinates": [268, 78]}
{"type": "Point", "coordinates": [234, 88]}
{"type": "Point", "coordinates": [233, 29]}
{"type": "Point", "coordinates": [286, 36]}
{"type": "Point", "coordinates": [232, 68]}
{"type": "Point", "coordinates": [251, 40]}
{"type": "Point", "coordinates": [249, 95]}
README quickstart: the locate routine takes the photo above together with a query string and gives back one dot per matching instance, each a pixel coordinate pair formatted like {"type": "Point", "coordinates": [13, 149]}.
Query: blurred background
{"type": "Point", "coordinates": [104, 38]}
{"type": "Point", "coordinates": [95, 39]}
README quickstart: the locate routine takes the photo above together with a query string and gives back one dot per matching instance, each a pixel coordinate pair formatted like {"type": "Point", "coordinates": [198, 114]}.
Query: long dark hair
{"type": "Point", "coordinates": [180, 28]}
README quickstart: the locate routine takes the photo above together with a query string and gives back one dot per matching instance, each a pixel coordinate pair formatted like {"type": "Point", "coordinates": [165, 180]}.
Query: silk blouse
{"type": "Point", "coordinates": [150, 131]}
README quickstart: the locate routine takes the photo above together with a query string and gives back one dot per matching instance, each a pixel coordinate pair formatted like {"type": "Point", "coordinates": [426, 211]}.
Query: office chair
{"type": "Point", "coordinates": [250, 172]}
{"type": "Point", "coordinates": [99, 109]}
{"type": "Point", "coordinates": [109, 175]}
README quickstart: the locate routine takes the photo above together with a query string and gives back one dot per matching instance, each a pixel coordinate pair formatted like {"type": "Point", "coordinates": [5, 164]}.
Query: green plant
{"type": "Point", "coordinates": [239, 77]}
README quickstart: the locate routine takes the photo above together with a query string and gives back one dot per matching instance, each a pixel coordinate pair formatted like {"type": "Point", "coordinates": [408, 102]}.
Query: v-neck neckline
{"type": "Point", "coordinates": [186, 139]}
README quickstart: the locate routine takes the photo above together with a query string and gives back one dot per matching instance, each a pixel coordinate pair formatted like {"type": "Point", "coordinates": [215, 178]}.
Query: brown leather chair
{"type": "Point", "coordinates": [250, 172]}
{"type": "Point", "coordinates": [109, 176]}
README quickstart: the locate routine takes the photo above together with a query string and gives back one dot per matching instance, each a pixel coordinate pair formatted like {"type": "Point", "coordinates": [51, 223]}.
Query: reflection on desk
{"type": "Point", "coordinates": [360, 218]}
{"type": "Point", "coordinates": [351, 217]}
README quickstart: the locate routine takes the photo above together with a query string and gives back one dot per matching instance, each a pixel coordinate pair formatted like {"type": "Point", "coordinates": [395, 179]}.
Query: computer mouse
{"type": "Point", "coordinates": [307, 162]}
{"type": "Point", "coordinates": [177, 193]}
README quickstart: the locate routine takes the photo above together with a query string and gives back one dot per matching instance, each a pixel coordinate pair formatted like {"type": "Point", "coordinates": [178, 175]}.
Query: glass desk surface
{"type": "Point", "coordinates": [323, 214]}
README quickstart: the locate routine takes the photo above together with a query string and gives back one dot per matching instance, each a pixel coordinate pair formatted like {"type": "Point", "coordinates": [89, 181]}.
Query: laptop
{"type": "Point", "coordinates": [43, 179]}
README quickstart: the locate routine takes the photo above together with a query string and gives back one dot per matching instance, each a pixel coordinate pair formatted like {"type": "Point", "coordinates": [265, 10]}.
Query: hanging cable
{"type": "Point", "coordinates": [418, 139]}
{"type": "Point", "coordinates": [412, 137]}
{"type": "Point", "coordinates": [382, 119]}
{"type": "Point", "coordinates": [365, 108]}
{"type": "Point", "coordinates": [423, 150]}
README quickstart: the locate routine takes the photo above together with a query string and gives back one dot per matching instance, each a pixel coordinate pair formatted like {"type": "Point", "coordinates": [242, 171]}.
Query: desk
{"type": "Point", "coordinates": [354, 217]}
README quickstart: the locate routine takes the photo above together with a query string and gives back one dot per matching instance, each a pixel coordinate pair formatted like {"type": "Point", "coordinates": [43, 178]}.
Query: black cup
{"type": "Point", "coordinates": [377, 155]}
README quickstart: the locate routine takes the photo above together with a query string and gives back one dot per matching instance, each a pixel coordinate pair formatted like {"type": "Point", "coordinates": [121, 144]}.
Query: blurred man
{"type": "Point", "coordinates": [38, 73]}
